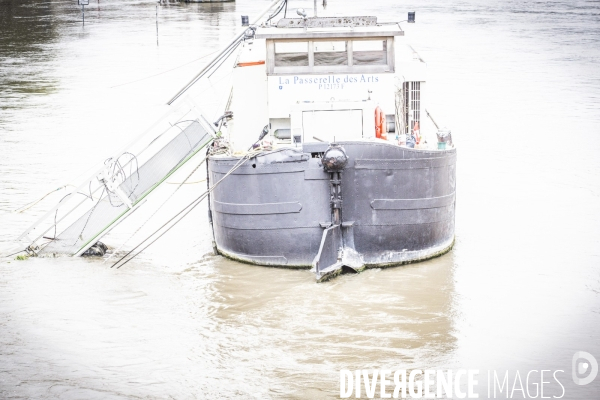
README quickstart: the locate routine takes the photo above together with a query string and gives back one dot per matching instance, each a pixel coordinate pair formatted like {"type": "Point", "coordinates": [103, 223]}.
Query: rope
{"type": "Point", "coordinates": [164, 72]}
{"type": "Point", "coordinates": [86, 221]}
{"type": "Point", "coordinates": [14, 254]}
{"type": "Point", "coordinates": [185, 183]}
{"type": "Point", "coordinates": [284, 3]}
{"type": "Point", "coordinates": [119, 173]}
{"type": "Point", "coordinates": [158, 209]}
{"type": "Point", "coordinates": [432, 120]}
{"type": "Point", "coordinates": [30, 205]}
{"type": "Point", "coordinates": [181, 214]}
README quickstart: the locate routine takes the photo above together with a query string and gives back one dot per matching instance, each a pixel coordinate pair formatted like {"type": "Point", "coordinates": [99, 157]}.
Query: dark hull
{"type": "Point", "coordinates": [398, 205]}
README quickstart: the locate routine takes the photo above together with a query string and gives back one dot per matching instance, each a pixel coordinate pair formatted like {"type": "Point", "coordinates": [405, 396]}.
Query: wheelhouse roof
{"type": "Point", "coordinates": [330, 27]}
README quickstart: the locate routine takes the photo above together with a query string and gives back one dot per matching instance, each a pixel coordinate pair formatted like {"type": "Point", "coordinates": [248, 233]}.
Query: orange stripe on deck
{"type": "Point", "coordinates": [250, 64]}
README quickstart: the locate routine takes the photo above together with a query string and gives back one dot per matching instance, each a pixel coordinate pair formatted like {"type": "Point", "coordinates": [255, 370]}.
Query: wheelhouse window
{"type": "Point", "coordinates": [321, 56]}
{"type": "Point", "coordinates": [291, 54]}
{"type": "Point", "coordinates": [369, 52]}
{"type": "Point", "coordinates": [330, 53]}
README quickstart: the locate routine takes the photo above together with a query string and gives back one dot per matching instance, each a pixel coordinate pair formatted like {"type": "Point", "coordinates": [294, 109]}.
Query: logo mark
{"type": "Point", "coordinates": [584, 363]}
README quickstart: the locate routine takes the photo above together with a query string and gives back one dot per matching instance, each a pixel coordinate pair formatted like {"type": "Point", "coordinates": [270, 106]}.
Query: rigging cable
{"type": "Point", "coordinates": [159, 207]}
{"type": "Point", "coordinates": [30, 205]}
{"type": "Point", "coordinates": [14, 254]}
{"type": "Point", "coordinates": [283, 3]}
{"type": "Point", "coordinates": [185, 211]}
{"type": "Point", "coordinates": [225, 58]}
{"type": "Point", "coordinates": [164, 72]}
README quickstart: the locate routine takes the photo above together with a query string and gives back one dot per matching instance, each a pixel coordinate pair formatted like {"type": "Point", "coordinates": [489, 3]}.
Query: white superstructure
{"type": "Point", "coordinates": [322, 80]}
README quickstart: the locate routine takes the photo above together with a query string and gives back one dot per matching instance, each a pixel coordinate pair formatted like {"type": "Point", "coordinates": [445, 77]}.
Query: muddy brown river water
{"type": "Point", "coordinates": [518, 83]}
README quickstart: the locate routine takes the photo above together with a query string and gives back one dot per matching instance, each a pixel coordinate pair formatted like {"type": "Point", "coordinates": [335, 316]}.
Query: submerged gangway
{"type": "Point", "coordinates": [124, 181]}
{"type": "Point", "coordinates": [116, 190]}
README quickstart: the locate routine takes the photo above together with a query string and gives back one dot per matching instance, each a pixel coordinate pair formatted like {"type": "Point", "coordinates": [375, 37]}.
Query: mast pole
{"type": "Point", "coordinates": [224, 50]}
{"type": "Point", "coordinates": [315, 8]}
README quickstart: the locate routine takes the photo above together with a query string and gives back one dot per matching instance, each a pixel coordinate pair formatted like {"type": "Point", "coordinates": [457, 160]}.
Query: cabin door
{"type": "Point", "coordinates": [331, 126]}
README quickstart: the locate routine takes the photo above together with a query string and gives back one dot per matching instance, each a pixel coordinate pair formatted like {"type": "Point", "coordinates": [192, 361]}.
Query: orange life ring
{"type": "Point", "coordinates": [380, 125]}
{"type": "Point", "coordinates": [417, 132]}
